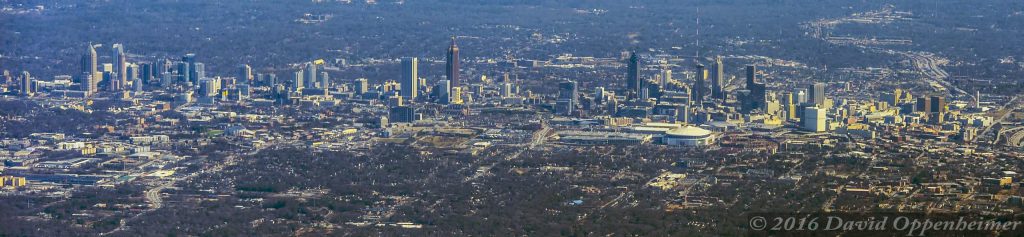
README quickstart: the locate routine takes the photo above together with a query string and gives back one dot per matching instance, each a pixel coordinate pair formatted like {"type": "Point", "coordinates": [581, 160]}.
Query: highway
{"type": "Point", "coordinates": [1006, 113]}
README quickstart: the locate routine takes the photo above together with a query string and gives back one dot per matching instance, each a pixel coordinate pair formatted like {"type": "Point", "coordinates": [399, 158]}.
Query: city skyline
{"type": "Point", "coordinates": [522, 118]}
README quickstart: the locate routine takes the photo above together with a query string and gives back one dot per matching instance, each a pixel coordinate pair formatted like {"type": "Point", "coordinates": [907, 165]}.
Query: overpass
{"type": "Point", "coordinates": [1014, 136]}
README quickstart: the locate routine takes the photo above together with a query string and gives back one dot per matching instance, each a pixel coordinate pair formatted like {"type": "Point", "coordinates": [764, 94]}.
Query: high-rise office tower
{"type": "Point", "coordinates": [923, 104]}
{"type": "Point", "coordinates": [207, 87]}
{"type": "Point", "coordinates": [164, 65]}
{"type": "Point", "coordinates": [271, 79]}
{"type": "Point", "coordinates": [718, 79]}
{"type": "Point", "coordinates": [88, 83]}
{"type": "Point", "coordinates": [147, 73]}
{"type": "Point", "coordinates": [758, 96]}
{"type": "Point", "coordinates": [444, 88]}
{"type": "Point", "coordinates": [120, 63]}
{"type": "Point", "coordinates": [452, 65]}
{"type": "Point", "coordinates": [938, 104]}
{"type": "Point", "coordinates": [245, 74]}
{"type": "Point", "coordinates": [362, 86]}
{"type": "Point", "coordinates": [199, 71]}
{"type": "Point", "coordinates": [683, 114]}
{"type": "Point", "coordinates": [153, 73]}
{"type": "Point", "coordinates": [167, 79]}
{"type": "Point", "coordinates": [800, 96]}
{"type": "Point", "coordinates": [698, 86]}
{"type": "Point", "coordinates": [184, 72]}
{"type": "Point", "coordinates": [310, 76]}
{"type": "Point", "coordinates": [410, 78]}
{"type": "Point", "coordinates": [26, 84]}
{"type": "Point", "coordinates": [325, 80]}
{"type": "Point", "coordinates": [507, 89]}
{"type": "Point", "coordinates": [568, 98]}
{"type": "Point", "coordinates": [633, 83]}
{"type": "Point", "coordinates": [132, 72]}
{"type": "Point", "coordinates": [456, 95]}
{"type": "Point", "coordinates": [813, 119]}
{"type": "Point", "coordinates": [897, 96]}
{"type": "Point", "coordinates": [666, 77]}
{"type": "Point", "coordinates": [190, 59]}
{"type": "Point", "coordinates": [89, 61]}
{"type": "Point", "coordinates": [137, 85]}
{"type": "Point", "coordinates": [751, 76]}
{"type": "Point", "coordinates": [599, 95]}
{"type": "Point", "coordinates": [789, 104]}
{"type": "Point", "coordinates": [113, 84]}
{"type": "Point", "coordinates": [937, 109]}
{"type": "Point", "coordinates": [297, 82]}
{"type": "Point", "coordinates": [817, 94]}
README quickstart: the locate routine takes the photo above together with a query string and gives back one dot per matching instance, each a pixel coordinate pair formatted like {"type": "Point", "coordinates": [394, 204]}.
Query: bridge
{"type": "Point", "coordinates": [1015, 136]}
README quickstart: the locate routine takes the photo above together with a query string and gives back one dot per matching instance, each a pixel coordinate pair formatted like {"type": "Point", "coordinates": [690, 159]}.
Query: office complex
{"type": "Point", "coordinates": [410, 78]}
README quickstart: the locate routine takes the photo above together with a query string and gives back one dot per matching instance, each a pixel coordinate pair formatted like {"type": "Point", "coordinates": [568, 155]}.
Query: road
{"type": "Point", "coordinates": [152, 195]}
{"type": "Point", "coordinates": [1006, 113]}
{"type": "Point", "coordinates": [536, 139]}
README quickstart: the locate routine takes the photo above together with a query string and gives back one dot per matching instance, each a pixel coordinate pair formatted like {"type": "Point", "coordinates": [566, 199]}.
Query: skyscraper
{"type": "Point", "coordinates": [699, 88]}
{"type": "Point", "coordinates": [190, 70]}
{"type": "Point", "coordinates": [199, 71]}
{"type": "Point", "coordinates": [362, 86]}
{"type": "Point", "coordinates": [666, 77]}
{"type": "Point", "coordinates": [147, 73]}
{"type": "Point", "coordinates": [633, 82]}
{"type": "Point", "coordinates": [244, 74]}
{"type": "Point", "coordinates": [164, 65]}
{"type": "Point", "coordinates": [788, 103]}
{"type": "Point", "coordinates": [120, 63]}
{"type": "Point", "coordinates": [507, 89]}
{"type": "Point", "coordinates": [444, 88]}
{"type": "Point", "coordinates": [310, 76]}
{"type": "Point", "coordinates": [137, 85]}
{"type": "Point", "coordinates": [208, 87]}
{"type": "Point", "coordinates": [452, 66]}
{"type": "Point", "coordinates": [166, 79]}
{"type": "Point", "coordinates": [568, 98]}
{"type": "Point", "coordinates": [184, 72]}
{"type": "Point", "coordinates": [923, 104]}
{"type": "Point", "coordinates": [757, 98]}
{"type": "Point", "coordinates": [718, 79]}
{"type": "Point", "coordinates": [297, 83]}
{"type": "Point", "coordinates": [817, 94]}
{"type": "Point", "coordinates": [751, 76]}
{"type": "Point", "coordinates": [800, 96]}
{"type": "Point", "coordinates": [813, 119]}
{"type": "Point", "coordinates": [977, 99]}
{"type": "Point", "coordinates": [271, 79]}
{"type": "Point", "coordinates": [113, 84]}
{"type": "Point", "coordinates": [410, 78]}
{"type": "Point", "coordinates": [132, 72]}
{"type": "Point", "coordinates": [26, 84]}
{"type": "Point", "coordinates": [598, 95]}
{"type": "Point", "coordinates": [88, 83]}
{"type": "Point", "coordinates": [89, 62]}
{"type": "Point", "coordinates": [325, 81]}
{"type": "Point", "coordinates": [937, 109]}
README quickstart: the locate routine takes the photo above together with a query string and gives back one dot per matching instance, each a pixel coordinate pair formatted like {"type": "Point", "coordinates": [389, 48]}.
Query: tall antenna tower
{"type": "Point", "coordinates": [697, 37]}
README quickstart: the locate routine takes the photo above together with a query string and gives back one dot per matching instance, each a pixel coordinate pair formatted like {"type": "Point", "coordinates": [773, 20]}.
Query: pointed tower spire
{"type": "Point", "coordinates": [452, 65]}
